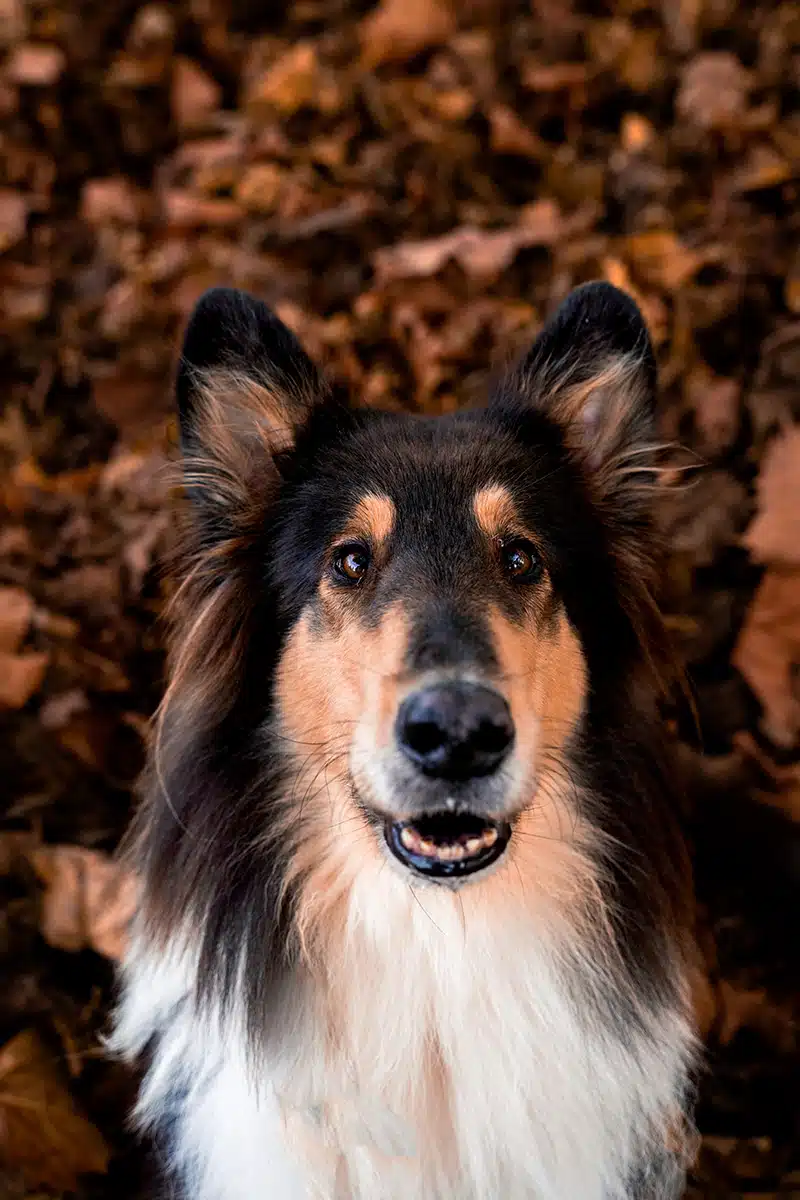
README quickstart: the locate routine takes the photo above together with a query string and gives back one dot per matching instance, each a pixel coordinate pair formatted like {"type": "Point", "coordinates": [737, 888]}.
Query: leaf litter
{"type": "Point", "coordinates": [414, 185]}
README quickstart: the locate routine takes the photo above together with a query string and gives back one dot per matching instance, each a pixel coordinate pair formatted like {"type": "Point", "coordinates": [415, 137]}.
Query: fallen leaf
{"type": "Point", "coordinates": [113, 199]}
{"type": "Point", "coordinates": [135, 403]}
{"type": "Point", "coordinates": [16, 613]}
{"type": "Point", "coordinates": [768, 651]}
{"type": "Point", "coordinates": [260, 187]}
{"type": "Point", "coordinates": [659, 258]}
{"type": "Point", "coordinates": [89, 899]}
{"type": "Point", "coordinates": [140, 550]}
{"type": "Point", "coordinates": [24, 304]}
{"type": "Point", "coordinates": [554, 78]}
{"type": "Point", "coordinates": [743, 1009]}
{"type": "Point", "coordinates": [184, 210]}
{"type": "Point", "coordinates": [704, 999]}
{"type": "Point", "coordinates": [774, 534]}
{"type": "Point", "coordinates": [35, 64]}
{"type": "Point", "coordinates": [478, 252]}
{"type": "Point", "coordinates": [636, 133]}
{"type": "Point", "coordinates": [763, 168]}
{"type": "Point", "coordinates": [716, 404]}
{"type": "Point", "coordinates": [42, 1133]}
{"type": "Point", "coordinates": [21, 676]}
{"type": "Point", "coordinates": [713, 91]}
{"type": "Point", "coordinates": [194, 95]}
{"type": "Point", "coordinates": [13, 21]}
{"type": "Point", "coordinates": [296, 80]}
{"type": "Point", "coordinates": [509, 135]}
{"type": "Point", "coordinates": [13, 218]}
{"type": "Point", "coordinates": [59, 710]}
{"type": "Point", "coordinates": [399, 29]}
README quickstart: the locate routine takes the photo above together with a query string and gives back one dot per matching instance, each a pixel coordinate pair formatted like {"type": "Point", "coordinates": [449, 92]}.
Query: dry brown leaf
{"type": "Point", "coordinates": [509, 135]}
{"type": "Point", "coordinates": [704, 999]}
{"type": "Point", "coordinates": [636, 133]}
{"type": "Point", "coordinates": [296, 80]}
{"type": "Point", "coordinates": [659, 258]}
{"type": "Point", "coordinates": [713, 91]}
{"type": "Point", "coordinates": [399, 29]}
{"type": "Point", "coordinates": [554, 77]}
{"type": "Point", "coordinates": [194, 95]}
{"type": "Point", "coordinates": [13, 21]}
{"type": "Point", "coordinates": [260, 187]}
{"type": "Point", "coordinates": [715, 401]}
{"type": "Point", "coordinates": [479, 252]}
{"type": "Point", "coordinates": [42, 1134]}
{"type": "Point", "coordinates": [774, 534]}
{"type": "Point", "coordinates": [135, 403]}
{"type": "Point", "coordinates": [16, 613]}
{"type": "Point", "coordinates": [21, 676]}
{"type": "Point", "coordinates": [89, 899]}
{"type": "Point", "coordinates": [740, 1009]}
{"type": "Point", "coordinates": [768, 651]}
{"type": "Point", "coordinates": [114, 199]}
{"type": "Point", "coordinates": [184, 210]}
{"type": "Point", "coordinates": [13, 218]}
{"type": "Point", "coordinates": [763, 168]}
{"type": "Point", "coordinates": [35, 64]}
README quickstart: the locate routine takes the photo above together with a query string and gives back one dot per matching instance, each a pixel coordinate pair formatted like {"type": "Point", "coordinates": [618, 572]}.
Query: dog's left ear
{"type": "Point", "coordinates": [592, 371]}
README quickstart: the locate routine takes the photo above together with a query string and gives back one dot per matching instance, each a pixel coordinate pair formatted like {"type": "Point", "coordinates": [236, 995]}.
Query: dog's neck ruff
{"type": "Point", "coordinates": [436, 1054]}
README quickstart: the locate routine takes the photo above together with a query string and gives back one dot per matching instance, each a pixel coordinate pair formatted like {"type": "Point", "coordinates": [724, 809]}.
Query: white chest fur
{"type": "Point", "coordinates": [441, 1057]}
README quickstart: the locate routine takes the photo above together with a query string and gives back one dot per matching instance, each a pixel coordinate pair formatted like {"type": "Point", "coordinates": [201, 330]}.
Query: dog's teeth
{"type": "Point", "coordinates": [473, 845]}
{"type": "Point", "coordinates": [489, 836]}
{"type": "Point", "coordinates": [410, 838]}
{"type": "Point", "coordinates": [428, 848]}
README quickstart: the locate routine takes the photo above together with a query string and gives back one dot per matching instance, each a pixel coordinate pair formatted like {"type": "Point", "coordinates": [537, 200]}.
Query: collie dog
{"type": "Point", "coordinates": [415, 917]}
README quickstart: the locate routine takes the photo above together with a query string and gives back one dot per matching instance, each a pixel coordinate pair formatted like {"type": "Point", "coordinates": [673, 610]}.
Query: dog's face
{"type": "Point", "coordinates": [405, 641]}
{"type": "Point", "coordinates": [430, 655]}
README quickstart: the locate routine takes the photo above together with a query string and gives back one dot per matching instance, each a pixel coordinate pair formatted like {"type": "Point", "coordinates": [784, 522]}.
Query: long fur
{"type": "Point", "coordinates": [314, 1021]}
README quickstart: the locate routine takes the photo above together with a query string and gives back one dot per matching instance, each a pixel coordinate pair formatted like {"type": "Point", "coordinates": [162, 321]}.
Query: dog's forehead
{"type": "Point", "coordinates": [425, 477]}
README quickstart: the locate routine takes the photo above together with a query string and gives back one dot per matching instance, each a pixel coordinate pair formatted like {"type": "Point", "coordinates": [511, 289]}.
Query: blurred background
{"type": "Point", "coordinates": [413, 186]}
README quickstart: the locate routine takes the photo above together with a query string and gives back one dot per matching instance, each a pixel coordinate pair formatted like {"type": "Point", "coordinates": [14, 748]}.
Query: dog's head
{"type": "Point", "coordinates": [403, 640]}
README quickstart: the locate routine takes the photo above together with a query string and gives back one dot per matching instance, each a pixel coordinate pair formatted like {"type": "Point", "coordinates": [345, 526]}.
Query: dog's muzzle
{"type": "Point", "coordinates": [452, 733]}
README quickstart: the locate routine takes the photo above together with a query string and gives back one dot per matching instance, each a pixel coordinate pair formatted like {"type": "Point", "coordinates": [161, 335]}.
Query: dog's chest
{"type": "Point", "coordinates": [435, 1063]}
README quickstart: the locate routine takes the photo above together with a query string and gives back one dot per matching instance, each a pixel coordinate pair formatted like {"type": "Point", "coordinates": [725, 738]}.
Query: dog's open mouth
{"type": "Point", "coordinates": [445, 844]}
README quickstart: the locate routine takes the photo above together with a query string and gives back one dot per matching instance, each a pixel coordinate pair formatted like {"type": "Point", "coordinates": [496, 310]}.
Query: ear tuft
{"type": "Point", "coordinates": [592, 371]}
{"type": "Point", "coordinates": [244, 387]}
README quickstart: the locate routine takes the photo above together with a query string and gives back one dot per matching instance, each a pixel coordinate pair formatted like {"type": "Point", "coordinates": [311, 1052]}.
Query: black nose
{"type": "Point", "coordinates": [455, 730]}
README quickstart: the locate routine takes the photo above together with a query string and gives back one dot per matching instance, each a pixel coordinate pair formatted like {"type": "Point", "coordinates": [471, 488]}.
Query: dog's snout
{"type": "Point", "coordinates": [455, 730]}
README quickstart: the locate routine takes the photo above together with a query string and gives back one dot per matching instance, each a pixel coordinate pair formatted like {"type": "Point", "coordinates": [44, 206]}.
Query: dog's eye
{"type": "Point", "coordinates": [520, 560]}
{"type": "Point", "coordinates": [351, 562]}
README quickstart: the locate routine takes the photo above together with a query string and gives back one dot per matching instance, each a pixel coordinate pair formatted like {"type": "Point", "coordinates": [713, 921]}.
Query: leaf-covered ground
{"type": "Point", "coordinates": [413, 186]}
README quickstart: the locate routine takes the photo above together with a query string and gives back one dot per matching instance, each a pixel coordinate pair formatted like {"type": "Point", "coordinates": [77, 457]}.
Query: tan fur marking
{"type": "Point", "coordinates": [494, 510]}
{"type": "Point", "coordinates": [374, 518]}
{"type": "Point", "coordinates": [337, 691]}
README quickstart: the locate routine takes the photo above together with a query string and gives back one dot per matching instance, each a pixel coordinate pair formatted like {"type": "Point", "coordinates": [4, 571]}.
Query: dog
{"type": "Point", "coordinates": [416, 910]}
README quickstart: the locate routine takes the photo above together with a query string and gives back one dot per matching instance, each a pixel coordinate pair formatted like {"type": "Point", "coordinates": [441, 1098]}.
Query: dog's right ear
{"type": "Point", "coordinates": [244, 388]}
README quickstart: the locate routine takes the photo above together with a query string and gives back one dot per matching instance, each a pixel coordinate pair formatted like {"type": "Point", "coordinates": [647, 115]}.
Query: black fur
{"type": "Point", "coordinates": [216, 780]}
